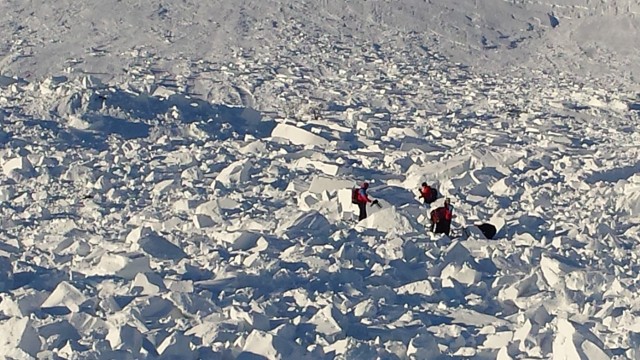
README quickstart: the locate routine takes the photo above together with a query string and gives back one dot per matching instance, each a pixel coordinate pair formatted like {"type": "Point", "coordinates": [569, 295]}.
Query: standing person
{"type": "Point", "coordinates": [428, 193]}
{"type": "Point", "coordinates": [441, 218]}
{"type": "Point", "coordinates": [362, 199]}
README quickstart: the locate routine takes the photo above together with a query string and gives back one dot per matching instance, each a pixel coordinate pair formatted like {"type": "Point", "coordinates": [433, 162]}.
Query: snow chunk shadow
{"type": "Point", "coordinates": [614, 175]}
{"type": "Point", "coordinates": [188, 110]}
{"type": "Point", "coordinates": [93, 113]}
{"type": "Point", "coordinates": [106, 125]}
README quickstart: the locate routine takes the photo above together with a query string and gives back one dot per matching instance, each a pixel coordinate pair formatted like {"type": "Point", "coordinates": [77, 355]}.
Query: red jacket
{"type": "Point", "coordinates": [425, 192]}
{"type": "Point", "coordinates": [441, 214]}
{"type": "Point", "coordinates": [363, 198]}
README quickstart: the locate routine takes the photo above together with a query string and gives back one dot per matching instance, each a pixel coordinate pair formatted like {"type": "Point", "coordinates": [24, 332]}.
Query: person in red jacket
{"type": "Point", "coordinates": [363, 200]}
{"type": "Point", "coordinates": [428, 193]}
{"type": "Point", "coordinates": [441, 218]}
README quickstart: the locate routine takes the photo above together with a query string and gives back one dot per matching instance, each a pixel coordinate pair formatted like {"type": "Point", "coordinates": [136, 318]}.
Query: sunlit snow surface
{"type": "Point", "coordinates": [175, 181]}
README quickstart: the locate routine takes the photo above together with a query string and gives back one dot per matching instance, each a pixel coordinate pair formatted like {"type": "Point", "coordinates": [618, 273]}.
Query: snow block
{"type": "Point", "coordinates": [298, 136]}
{"type": "Point", "coordinates": [22, 302]}
{"type": "Point", "coordinates": [629, 201]}
{"type": "Point", "coordinates": [7, 192]}
{"type": "Point", "coordinates": [328, 169]}
{"type": "Point", "coordinates": [18, 335]}
{"type": "Point", "coordinates": [320, 184]}
{"type": "Point", "coordinates": [126, 265]}
{"type": "Point", "coordinates": [306, 223]}
{"type": "Point", "coordinates": [366, 308]}
{"type": "Point", "coordinates": [387, 219]}
{"type": "Point", "coordinates": [236, 173]}
{"type": "Point", "coordinates": [208, 330]}
{"type": "Point", "coordinates": [525, 287]}
{"type": "Point", "coordinates": [148, 284]}
{"type": "Point", "coordinates": [176, 346]}
{"type": "Point", "coordinates": [65, 295]}
{"type": "Point", "coordinates": [326, 323]}
{"type": "Point", "coordinates": [154, 244]}
{"type": "Point", "coordinates": [573, 341]}
{"type": "Point", "coordinates": [203, 221]}
{"type": "Point", "coordinates": [422, 287]}
{"type": "Point", "coordinates": [210, 209]}
{"type": "Point", "coordinates": [423, 346]}
{"type": "Point", "coordinates": [498, 340]}
{"type": "Point", "coordinates": [264, 345]}
{"type": "Point", "coordinates": [164, 187]}
{"type": "Point", "coordinates": [554, 270]}
{"type": "Point", "coordinates": [307, 200]}
{"type": "Point", "coordinates": [241, 240]}
{"type": "Point", "coordinates": [20, 166]}
{"type": "Point", "coordinates": [125, 337]}
{"type": "Point", "coordinates": [59, 332]}
{"type": "Point", "coordinates": [464, 274]}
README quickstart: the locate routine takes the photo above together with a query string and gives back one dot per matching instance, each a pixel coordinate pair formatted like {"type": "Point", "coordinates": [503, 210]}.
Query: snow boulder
{"type": "Point", "coordinates": [629, 198]}
{"type": "Point", "coordinates": [394, 195]}
{"type": "Point", "coordinates": [555, 269]}
{"type": "Point", "coordinates": [421, 287]}
{"type": "Point", "coordinates": [388, 219]}
{"type": "Point", "coordinates": [18, 167]}
{"type": "Point", "coordinates": [152, 243]}
{"type": "Point", "coordinates": [236, 173]}
{"type": "Point", "coordinates": [125, 337]}
{"type": "Point", "coordinates": [310, 223]}
{"type": "Point", "coordinates": [298, 136]}
{"type": "Point", "coordinates": [264, 345]}
{"type": "Point", "coordinates": [65, 295]}
{"type": "Point", "coordinates": [22, 301]}
{"type": "Point", "coordinates": [148, 283]}
{"type": "Point", "coordinates": [320, 184]}
{"type": "Point", "coordinates": [423, 346]}
{"type": "Point", "coordinates": [326, 323]}
{"type": "Point", "coordinates": [464, 274]}
{"type": "Point", "coordinates": [211, 214]}
{"type": "Point", "coordinates": [176, 346]}
{"type": "Point", "coordinates": [575, 341]}
{"type": "Point", "coordinates": [19, 339]}
{"type": "Point", "coordinates": [239, 240]}
{"type": "Point", "coordinates": [124, 265]}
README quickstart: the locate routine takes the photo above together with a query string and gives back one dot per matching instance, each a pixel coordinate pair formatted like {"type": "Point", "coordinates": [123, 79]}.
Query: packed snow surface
{"type": "Point", "coordinates": [175, 179]}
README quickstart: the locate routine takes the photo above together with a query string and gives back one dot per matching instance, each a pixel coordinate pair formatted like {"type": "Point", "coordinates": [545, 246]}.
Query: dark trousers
{"type": "Point", "coordinates": [363, 211]}
{"type": "Point", "coordinates": [442, 227]}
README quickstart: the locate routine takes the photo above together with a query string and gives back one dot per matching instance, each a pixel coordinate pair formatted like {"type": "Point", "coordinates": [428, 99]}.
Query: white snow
{"type": "Point", "coordinates": [176, 179]}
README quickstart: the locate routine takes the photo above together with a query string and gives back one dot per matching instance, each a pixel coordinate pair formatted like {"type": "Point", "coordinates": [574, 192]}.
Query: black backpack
{"type": "Point", "coordinates": [488, 230]}
{"type": "Point", "coordinates": [434, 194]}
{"type": "Point", "coordinates": [354, 196]}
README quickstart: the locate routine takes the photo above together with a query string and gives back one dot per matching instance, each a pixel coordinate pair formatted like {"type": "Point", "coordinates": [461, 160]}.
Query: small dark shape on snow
{"type": "Point", "coordinates": [488, 230]}
{"type": "Point", "coordinates": [553, 20]}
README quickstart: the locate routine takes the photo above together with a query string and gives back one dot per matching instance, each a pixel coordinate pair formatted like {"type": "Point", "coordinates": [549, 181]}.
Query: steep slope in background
{"type": "Point", "coordinates": [110, 37]}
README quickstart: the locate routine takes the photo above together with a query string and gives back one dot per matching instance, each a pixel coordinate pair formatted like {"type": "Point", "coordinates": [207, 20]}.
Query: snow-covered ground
{"type": "Point", "coordinates": [175, 179]}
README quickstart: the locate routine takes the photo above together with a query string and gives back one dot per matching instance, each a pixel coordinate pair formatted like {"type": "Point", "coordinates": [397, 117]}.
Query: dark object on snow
{"type": "Point", "coordinates": [488, 230]}
{"type": "Point", "coordinates": [553, 20]}
{"type": "Point", "coordinates": [376, 202]}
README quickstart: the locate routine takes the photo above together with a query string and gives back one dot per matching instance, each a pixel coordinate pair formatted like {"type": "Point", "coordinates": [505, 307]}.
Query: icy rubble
{"type": "Point", "coordinates": [174, 228]}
